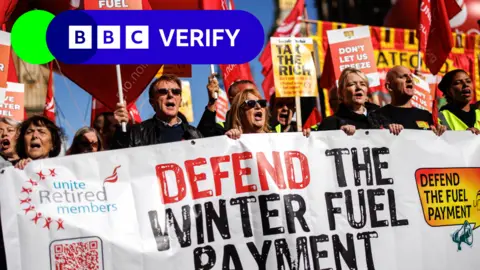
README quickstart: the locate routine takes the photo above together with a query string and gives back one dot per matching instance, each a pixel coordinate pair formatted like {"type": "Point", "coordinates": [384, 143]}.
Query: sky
{"type": "Point", "coordinates": [74, 104]}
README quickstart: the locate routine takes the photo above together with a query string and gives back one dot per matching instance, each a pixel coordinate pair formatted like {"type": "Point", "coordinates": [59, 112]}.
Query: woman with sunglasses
{"type": "Point", "coordinates": [354, 112]}
{"type": "Point", "coordinates": [248, 114]}
{"type": "Point", "coordinates": [86, 140]}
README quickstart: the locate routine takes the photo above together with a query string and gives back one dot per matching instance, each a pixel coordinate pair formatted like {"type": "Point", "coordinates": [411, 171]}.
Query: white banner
{"type": "Point", "coordinates": [272, 201]}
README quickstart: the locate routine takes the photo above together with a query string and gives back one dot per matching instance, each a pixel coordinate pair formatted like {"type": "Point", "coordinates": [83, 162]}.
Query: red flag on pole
{"type": "Point", "coordinates": [49, 109]}
{"type": "Point", "coordinates": [424, 22]}
{"type": "Point", "coordinates": [314, 118]}
{"type": "Point", "coordinates": [290, 27]}
{"type": "Point", "coordinates": [232, 72]}
{"type": "Point", "coordinates": [440, 41]}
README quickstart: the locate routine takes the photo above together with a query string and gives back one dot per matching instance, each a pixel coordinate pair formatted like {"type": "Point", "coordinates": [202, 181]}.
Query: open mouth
{"type": "Point", "coordinates": [358, 94]}
{"type": "Point", "coordinates": [170, 104]}
{"type": "Point", "coordinates": [409, 86]}
{"type": "Point", "coordinates": [258, 116]}
{"type": "Point", "coordinates": [466, 92]}
{"type": "Point", "coordinates": [5, 144]}
{"type": "Point", "coordinates": [283, 115]}
{"type": "Point", "coordinates": [35, 145]}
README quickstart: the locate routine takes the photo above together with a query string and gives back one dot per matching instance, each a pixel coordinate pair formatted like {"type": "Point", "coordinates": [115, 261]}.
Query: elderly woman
{"type": "Point", "coordinates": [248, 114]}
{"type": "Point", "coordinates": [354, 112]}
{"type": "Point", "coordinates": [38, 138]}
{"type": "Point", "coordinates": [8, 137]}
{"type": "Point", "coordinates": [86, 140]}
{"type": "Point", "coordinates": [459, 113]}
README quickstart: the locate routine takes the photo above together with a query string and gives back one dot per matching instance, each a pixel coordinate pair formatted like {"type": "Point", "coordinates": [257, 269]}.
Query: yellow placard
{"type": "Point", "coordinates": [294, 67]}
{"type": "Point", "coordinates": [186, 108]}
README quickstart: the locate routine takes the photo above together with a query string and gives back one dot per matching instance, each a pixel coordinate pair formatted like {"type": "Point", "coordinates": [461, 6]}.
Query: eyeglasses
{"type": "Point", "coordinates": [281, 104]}
{"type": "Point", "coordinates": [252, 103]}
{"type": "Point", "coordinates": [164, 91]}
{"type": "Point", "coordinates": [87, 144]}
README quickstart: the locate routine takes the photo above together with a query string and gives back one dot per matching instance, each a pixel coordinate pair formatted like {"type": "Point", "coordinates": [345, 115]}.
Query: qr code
{"type": "Point", "coordinates": [77, 254]}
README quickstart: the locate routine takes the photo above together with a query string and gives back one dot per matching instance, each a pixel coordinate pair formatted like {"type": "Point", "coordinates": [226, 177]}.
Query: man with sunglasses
{"type": "Point", "coordinates": [208, 125]}
{"type": "Point", "coordinates": [165, 126]}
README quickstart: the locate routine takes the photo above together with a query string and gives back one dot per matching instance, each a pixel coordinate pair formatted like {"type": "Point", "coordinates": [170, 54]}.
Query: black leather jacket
{"type": "Point", "coordinates": [147, 133]}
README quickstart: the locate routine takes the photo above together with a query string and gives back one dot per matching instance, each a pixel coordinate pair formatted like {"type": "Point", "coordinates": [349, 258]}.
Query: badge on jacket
{"type": "Point", "coordinates": [422, 124]}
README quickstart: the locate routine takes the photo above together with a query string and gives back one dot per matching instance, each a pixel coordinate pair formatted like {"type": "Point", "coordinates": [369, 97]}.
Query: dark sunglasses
{"type": "Point", "coordinates": [252, 103]}
{"type": "Point", "coordinates": [86, 144]}
{"type": "Point", "coordinates": [164, 91]}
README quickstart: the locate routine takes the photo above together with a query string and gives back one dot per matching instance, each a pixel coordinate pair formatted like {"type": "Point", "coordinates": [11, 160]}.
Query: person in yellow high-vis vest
{"type": "Point", "coordinates": [459, 113]}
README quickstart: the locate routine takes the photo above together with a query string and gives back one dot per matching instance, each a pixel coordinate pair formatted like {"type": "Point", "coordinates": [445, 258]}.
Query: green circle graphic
{"type": "Point", "coordinates": [29, 37]}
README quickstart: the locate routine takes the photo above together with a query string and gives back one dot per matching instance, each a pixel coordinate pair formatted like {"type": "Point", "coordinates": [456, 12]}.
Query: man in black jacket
{"type": "Point", "coordinates": [401, 85]}
{"type": "Point", "coordinates": [166, 126]}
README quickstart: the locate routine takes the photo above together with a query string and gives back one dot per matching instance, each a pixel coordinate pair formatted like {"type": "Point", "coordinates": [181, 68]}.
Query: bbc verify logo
{"type": "Point", "coordinates": [136, 37]}
{"type": "Point", "coordinates": [108, 37]}
{"type": "Point", "coordinates": [155, 37]}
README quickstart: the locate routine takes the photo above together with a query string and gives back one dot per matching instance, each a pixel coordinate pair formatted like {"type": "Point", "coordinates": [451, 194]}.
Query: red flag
{"type": "Point", "coordinates": [134, 114]}
{"type": "Point", "coordinates": [290, 27]}
{"type": "Point", "coordinates": [327, 79]}
{"type": "Point", "coordinates": [440, 40]}
{"type": "Point", "coordinates": [216, 4]}
{"type": "Point", "coordinates": [424, 23]}
{"type": "Point", "coordinates": [234, 72]}
{"type": "Point", "coordinates": [231, 72]}
{"type": "Point", "coordinates": [314, 118]}
{"type": "Point", "coordinates": [49, 109]}
{"type": "Point", "coordinates": [268, 85]}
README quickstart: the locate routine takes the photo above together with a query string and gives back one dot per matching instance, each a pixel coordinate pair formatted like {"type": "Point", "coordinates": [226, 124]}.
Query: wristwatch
{"type": "Point", "coordinates": [212, 101]}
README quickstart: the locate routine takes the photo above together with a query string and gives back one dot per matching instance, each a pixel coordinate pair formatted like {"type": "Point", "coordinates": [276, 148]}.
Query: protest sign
{"type": "Point", "coordinates": [186, 108]}
{"type": "Point", "coordinates": [4, 57]}
{"type": "Point", "coordinates": [423, 95]}
{"type": "Point", "coordinates": [13, 101]}
{"type": "Point", "coordinates": [113, 4]}
{"type": "Point", "coordinates": [266, 201]}
{"type": "Point", "coordinates": [293, 67]}
{"type": "Point", "coordinates": [183, 71]}
{"type": "Point", "coordinates": [352, 47]}
{"type": "Point", "coordinates": [394, 47]}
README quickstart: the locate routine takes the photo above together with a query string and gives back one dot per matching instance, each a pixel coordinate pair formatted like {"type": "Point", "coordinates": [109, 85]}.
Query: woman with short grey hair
{"type": "Point", "coordinates": [8, 140]}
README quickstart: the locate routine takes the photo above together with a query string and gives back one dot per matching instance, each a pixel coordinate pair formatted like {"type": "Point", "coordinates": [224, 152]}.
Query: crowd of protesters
{"type": "Point", "coordinates": [37, 137]}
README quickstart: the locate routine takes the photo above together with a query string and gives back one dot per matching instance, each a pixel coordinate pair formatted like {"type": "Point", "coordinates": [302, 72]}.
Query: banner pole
{"type": "Point", "coordinates": [315, 59]}
{"type": "Point", "coordinates": [298, 112]}
{"type": "Point", "coordinates": [212, 71]}
{"type": "Point", "coordinates": [120, 93]}
{"type": "Point", "coordinates": [419, 62]}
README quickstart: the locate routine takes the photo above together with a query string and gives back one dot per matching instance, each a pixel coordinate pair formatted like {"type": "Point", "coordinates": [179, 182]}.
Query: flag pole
{"type": "Point", "coordinates": [120, 93]}
{"type": "Point", "coordinates": [315, 59]}
{"type": "Point", "coordinates": [298, 103]}
{"type": "Point", "coordinates": [212, 71]}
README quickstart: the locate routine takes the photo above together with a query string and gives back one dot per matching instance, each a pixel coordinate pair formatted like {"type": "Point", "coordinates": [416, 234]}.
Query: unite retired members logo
{"type": "Point", "coordinates": [51, 193]}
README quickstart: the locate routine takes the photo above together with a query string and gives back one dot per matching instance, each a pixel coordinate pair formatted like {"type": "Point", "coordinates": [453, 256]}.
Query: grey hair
{"type": "Point", "coordinates": [10, 121]}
